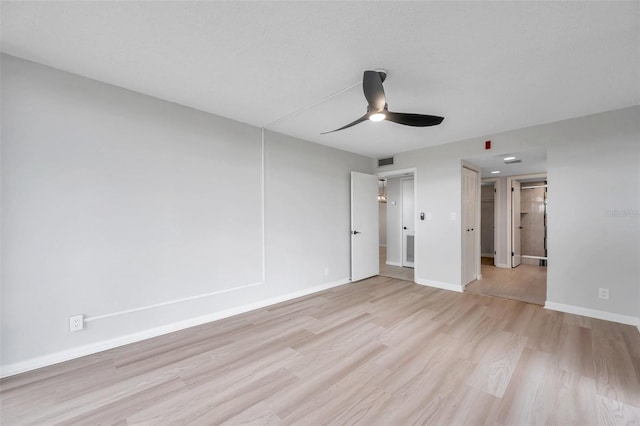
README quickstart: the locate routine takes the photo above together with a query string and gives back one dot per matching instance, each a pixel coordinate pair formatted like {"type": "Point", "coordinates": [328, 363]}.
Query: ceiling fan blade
{"type": "Point", "coordinates": [359, 120]}
{"type": "Point", "coordinates": [416, 120]}
{"type": "Point", "coordinates": [373, 90]}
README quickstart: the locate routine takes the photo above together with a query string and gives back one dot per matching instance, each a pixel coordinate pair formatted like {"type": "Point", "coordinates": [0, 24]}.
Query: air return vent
{"type": "Point", "coordinates": [385, 161]}
{"type": "Point", "coordinates": [512, 161]}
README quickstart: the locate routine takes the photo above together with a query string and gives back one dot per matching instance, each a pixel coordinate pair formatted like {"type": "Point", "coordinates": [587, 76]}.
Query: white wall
{"type": "Point", "coordinates": [308, 213]}
{"type": "Point", "coordinates": [113, 200]}
{"type": "Point", "coordinates": [592, 172]}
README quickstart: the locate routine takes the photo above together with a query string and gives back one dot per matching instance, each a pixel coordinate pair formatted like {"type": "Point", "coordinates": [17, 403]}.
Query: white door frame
{"type": "Point", "coordinates": [414, 172]}
{"type": "Point", "coordinates": [404, 261]}
{"type": "Point", "coordinates": [510, 211]}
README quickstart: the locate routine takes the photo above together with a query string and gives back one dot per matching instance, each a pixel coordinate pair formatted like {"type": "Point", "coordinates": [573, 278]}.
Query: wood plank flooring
{"type": "Point", "coordinates": [526, 283]}
{"type": "Point", "coordinates": [381, 351]}
{"type": "Point", "coordinates": [399, 272]}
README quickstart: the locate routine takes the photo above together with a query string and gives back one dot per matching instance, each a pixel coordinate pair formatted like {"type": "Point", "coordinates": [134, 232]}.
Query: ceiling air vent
{"type": "Point", "coordinates": [385, 161]}
{"type": "Point", "coordinates": [512, 161]}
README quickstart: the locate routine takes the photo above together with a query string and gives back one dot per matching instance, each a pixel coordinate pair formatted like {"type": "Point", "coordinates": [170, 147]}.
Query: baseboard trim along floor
{"type": "Point", "coordinates": [92, 348]}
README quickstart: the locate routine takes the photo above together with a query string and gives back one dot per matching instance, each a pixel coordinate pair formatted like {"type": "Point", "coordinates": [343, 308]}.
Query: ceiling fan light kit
{"type": "Point", "coordinates": [377, 108]}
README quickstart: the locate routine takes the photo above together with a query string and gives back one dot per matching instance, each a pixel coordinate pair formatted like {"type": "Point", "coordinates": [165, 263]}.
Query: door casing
{"type": "Point", "coordinates": [408, 218]}
{"type": "Point", "coordinates": [416, 238]}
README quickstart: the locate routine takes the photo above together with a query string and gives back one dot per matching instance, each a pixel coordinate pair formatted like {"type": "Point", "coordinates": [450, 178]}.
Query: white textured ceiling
{"type": "Point", "coordinates": [486, 66]}
{"type": "Point", "coordinates": [532, 161]}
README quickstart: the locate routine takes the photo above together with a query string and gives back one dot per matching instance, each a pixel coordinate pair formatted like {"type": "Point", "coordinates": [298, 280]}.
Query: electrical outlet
{"type": "Point", "coordinates": [603, 293]}
{"type": "Point", "coordinates": [76, 323]}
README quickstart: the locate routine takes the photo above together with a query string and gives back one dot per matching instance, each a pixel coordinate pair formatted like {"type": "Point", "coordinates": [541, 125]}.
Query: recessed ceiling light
{"type": "Point", "coordinates": [509, 158]}
{"type": "Point", "coordinates": [378, 116]}
{"type": "Point", "coordinates": [495, 172]}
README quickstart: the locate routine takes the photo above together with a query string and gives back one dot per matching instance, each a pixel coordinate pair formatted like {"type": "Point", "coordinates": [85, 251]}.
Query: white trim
{"type": "Point", "coordinates": [398, 173]}
{"type": "Point", "coordinates": [491, 255]}
{"type": "Point", "coordinates": [382, 245]}
{"type": "Point", "coordinates": [510, 210]}
{"type": "Point", "coordinates": [264, 208]}
{"type": "Point", "coordinates": [503, 265]}
{"type": "Point", "coordinates": [444, 286]}
{"type": "Point", "coordinates": [593, 313]}
{"type": "Point", "coordinates": [526, 256]}
{"type": "Point", "coordinates": [403, 242]}
{"type": "Point", "coordinates": [80, 351]}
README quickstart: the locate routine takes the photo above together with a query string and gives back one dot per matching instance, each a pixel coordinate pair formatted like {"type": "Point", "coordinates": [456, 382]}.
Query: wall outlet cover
{"type": "Point", "coordinates": [76, 323]}
{"type": "Point", "coordinates": [603, 293]}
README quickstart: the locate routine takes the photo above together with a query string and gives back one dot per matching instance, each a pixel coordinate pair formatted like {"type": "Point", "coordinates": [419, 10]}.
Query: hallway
{"type": "Point", "coordinates": [398, 272]}
{"type": "Point", "coordinates": [526, 283]}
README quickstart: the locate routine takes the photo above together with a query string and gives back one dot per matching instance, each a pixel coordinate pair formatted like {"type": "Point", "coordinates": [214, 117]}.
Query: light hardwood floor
{"type": "Point", "coordinates": [391, 271]}
{"type": "Point", "coordinates": [380, 351]}
{"type": "Point", "coordinates": [526, 283]}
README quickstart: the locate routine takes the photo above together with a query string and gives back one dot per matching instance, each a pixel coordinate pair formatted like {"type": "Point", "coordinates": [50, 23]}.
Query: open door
{"type": "Point", "coordinates": [516, 241]}
{"type": "Point", "coordinates": [364, 226]}
{"type": "Point", "coordinates": [408, 225]}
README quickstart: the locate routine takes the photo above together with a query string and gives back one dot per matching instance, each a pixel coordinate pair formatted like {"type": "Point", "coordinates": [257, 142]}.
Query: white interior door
{"type": "Point", "coordinates": [365, 261]}
{"type": "Point", "coordinates": [470, 255]}
{"type": "Point", "coordinates": [516, 242]}
{"type": "Point", "coordinates": [408, 223]}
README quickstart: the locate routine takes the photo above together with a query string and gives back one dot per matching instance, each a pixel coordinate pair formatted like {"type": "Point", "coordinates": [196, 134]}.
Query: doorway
{"type": "Point", "coordinates": [524, 277]}
{"type": "Point", "coordinates": [396, 195]}
{"type": "Point", "coordinates": [487, 222]}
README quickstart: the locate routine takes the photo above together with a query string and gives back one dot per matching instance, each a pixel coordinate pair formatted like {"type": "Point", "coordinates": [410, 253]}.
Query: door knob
{"type": "Point", "coordinates": [356, 232]}
{"type": "Point", "coordinates": [404, 227]}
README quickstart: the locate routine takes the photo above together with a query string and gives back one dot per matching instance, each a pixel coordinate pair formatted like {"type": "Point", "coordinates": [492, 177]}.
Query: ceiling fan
{"type": "Point", "coordinates": [377, 108]}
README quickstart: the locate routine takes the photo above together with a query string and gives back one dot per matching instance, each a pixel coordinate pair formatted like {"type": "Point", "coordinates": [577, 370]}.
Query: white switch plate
{"type": "Point", "coordinates": [76, 323]}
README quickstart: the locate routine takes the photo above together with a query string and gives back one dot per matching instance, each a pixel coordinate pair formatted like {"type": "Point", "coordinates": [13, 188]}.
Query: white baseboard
{"type": "Point", "coordinates": [383, 245]}
{"type": "Point", "coordinates": [503, 265]}
{"type": "Point", "coordinates": [593, 313]}
{"type": "Point", "coordinates": [388, 262]}
{"type": "Point", "coordinates": [487, 254]}
{"type": "Point", "coordinates": [437, 284]}
{"type": "Point", "coordinates": [80, 351]}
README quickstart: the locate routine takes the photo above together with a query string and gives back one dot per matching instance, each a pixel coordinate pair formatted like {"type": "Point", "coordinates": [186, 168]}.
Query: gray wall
{"type": "Point", "coordinates": [594, 224]}
{"type": "Point", "coordinates": [308, 213]}
{"type": "Point", "coordinates": [113, 200]}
